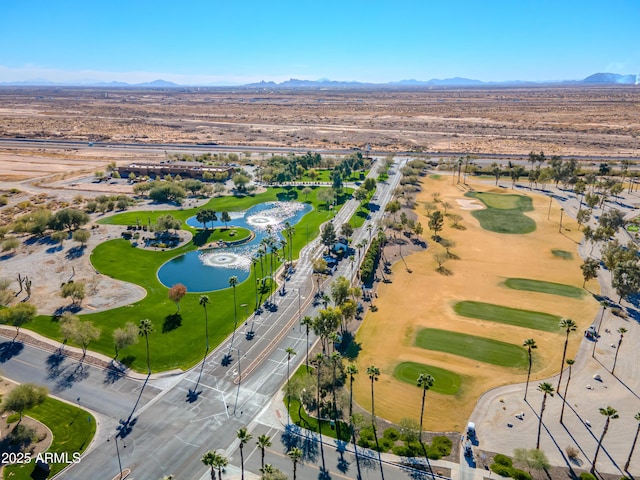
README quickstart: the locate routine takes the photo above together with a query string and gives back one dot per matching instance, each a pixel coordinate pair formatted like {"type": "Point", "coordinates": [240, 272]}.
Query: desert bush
{"type": "Point", "coordinates": [501, 470]}
{"type": "Point", "coordinates": [520, 474]}
{"type": "Point", "coordinates": [501, 459]}
{"type": "Point", "coordinates": [391, 434]}
{"type": "Point", "coordinates": [572, 452]}
{"type": "Point", "coordinates": [587, 476]}
{"type": "Point", "coordinates": [402, 451]}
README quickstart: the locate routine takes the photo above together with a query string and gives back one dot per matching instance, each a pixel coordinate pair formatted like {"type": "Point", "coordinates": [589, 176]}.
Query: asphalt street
{"type": "Point", "coordinates": [165, 425]}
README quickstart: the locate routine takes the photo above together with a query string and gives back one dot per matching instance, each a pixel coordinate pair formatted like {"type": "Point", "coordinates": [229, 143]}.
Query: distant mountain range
{"type": "Point", "coordinates": [595, 79]}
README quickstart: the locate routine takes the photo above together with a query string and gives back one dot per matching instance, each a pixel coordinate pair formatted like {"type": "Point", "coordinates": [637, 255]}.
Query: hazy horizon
{"type": "Point", "coordinates": [234, 44]}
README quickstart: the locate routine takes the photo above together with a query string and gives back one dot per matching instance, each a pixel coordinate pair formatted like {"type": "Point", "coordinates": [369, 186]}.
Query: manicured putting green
{"type": "Point", "coordinates": [504, 213]}
{"type": "Point", "coordinates": [510, 316]}
{"type": "Point", "coordinates": [562, 254]}
{"type": "Point", "coordinates": [482, 349]}
{"type": "Point", "coordinates": [544, 287]}
{"type": "Point", "coordinates": [445, 381]}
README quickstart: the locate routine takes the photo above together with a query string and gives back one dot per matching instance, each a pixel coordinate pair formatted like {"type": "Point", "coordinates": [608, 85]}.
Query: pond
{"type": "Point", "coordinates": [207, 270]}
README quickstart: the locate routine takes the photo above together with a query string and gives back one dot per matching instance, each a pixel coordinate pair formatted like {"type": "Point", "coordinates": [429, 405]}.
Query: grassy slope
{"type": "Point", "coordinates": [184, 346]}
{"type": "Point", "coordinates": [72, 432]}
{"type": "Point", "coordinates": [511, 316]}
{"type": "Point", "coordinates": [470, 346]}
{"type": "Point", "coordinates": [445, 381]}
{"type": "Point", "coordinates": [504, 213]}
{"type": "Point", "coordinates": [544, 287]}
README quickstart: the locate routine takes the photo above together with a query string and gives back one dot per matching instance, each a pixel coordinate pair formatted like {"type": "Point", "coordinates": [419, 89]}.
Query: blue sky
{"type": "Point", "coordinates": [222, 42]}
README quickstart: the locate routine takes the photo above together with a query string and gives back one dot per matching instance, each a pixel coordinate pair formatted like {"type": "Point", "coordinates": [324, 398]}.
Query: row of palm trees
{"type": "Point", "coordinates": [548, 390]}
{"type": "Point", "coordinates": [218, 462]}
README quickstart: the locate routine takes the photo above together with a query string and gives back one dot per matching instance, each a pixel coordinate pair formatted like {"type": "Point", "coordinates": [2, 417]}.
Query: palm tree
{"type": "Point", "coordinates": [204, 300]}
{"type": "Point", "coordinates": [633, 445]}
{"type": "Point", "coordinates": [290, 230]}
{"type": "Point", "coordinates": [352, 371]}
{"type": "Point", "coordinates": [307, 321]}
{"type": "Point", "coordinates": [209, 459]}
{"type": "Point", "coordinates": [233, 281]}
{"type": "Point", "coordinates": [373, 373]}
{"type": "Point", "coordinates": [290, 352]}
{"type": "Point", "coordinates": [318, 361]}
{"type": "Point", "coordinates": [547, 389]}
{"type": "Point", "coordinates": [295, 454]}
{"type": "Point", "coordinates": [425, 381]}
{"type": "Point", "coordinates": [220, 462]}
{"type": "Point", "coordinates": [570, 362]}
{"type": "Point", "coordinates": [569, 326]}
{"type": "Point", "coordinates": [604, 305]}
{"type": "Point", "coordinates": [530, 343]}
{"type": "Point", "coordinates": [621, 331]}
{"type": "Point", "coordinates": [336, 358]}
{"type": "Point", "coordinates": [264, 441]}
{"type": "Point", "coordinates": [244, 436]}
{"type": "Point", "coordinates": [144, 329]}
{"type": "Point", "coordinates": [611, 414]}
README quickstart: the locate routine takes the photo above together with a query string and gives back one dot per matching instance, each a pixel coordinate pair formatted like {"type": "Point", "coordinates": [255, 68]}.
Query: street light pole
{"type": "Point", "coordinates": [235, 406]}
{"type": "Point", "coordinates": [561, 213]}
{"type": "Point", "coordinates": [118, 452]}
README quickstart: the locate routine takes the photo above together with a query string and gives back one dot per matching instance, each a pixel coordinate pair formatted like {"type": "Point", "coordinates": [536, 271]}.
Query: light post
{"type": "Point", "coordinates": [235, 406]}
{"type": "Point", "coordinates": [299, 311]}
{"type": "Point", "coordinates": [549, 211]}
{"type": "Point", "coordinates": [561, 213]}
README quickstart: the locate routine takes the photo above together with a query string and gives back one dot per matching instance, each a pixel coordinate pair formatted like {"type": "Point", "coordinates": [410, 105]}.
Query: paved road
{"type": "Point", "coordinates": [179, 418]}
{"type": "Point", "coordinates": [163, 147]}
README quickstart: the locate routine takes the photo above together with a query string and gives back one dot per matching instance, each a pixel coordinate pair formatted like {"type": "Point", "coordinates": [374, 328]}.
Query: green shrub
{"type": "Point", "coordinates": [386, 444]}
{"type": "Point", "coordinates": [367, 434]}
{"type": "Point", "coordinates": [364, 443]}
{"type": "Point", "coordinates": [402, 451]}
{"type": "Point", "coordinates": [501, 470]}
{"type": "Point", "coordinates": [442, 444]}
{"type": "Point", "coordinates": [587, 476]}
{"type": "Point", "coordinates": [520, 474]}
{"type": "Point", "coordinates": [503, 460]}
{"type": "Point", "coordinates": [391, 434]}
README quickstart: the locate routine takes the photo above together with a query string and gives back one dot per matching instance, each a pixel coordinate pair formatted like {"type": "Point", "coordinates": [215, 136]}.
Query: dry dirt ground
{"type": "Point", "coordinates": [559, 120]}
{"type": "Point", "coordinates": [425, 298]}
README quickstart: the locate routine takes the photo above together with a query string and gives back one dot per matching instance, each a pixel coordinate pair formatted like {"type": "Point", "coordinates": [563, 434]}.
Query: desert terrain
{"type": "Point", "coordinates": [566, 121]}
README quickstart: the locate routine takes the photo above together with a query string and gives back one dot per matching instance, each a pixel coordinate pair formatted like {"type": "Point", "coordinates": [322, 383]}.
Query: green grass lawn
{"type": "Point", "coordinates": [504, 213]}
{"type": "Point", "coordinates": [562, 254]}
{"type": "Point", "coordinates": [325, 176]}
{"type": "Point", "coordinates": [72, 428]}
{"type": "Point", "coordinates": [510, 316]}
{"type": "Point", "coordinates": [477, 348]}
{"type": "Point", "coordinates": [183, 345]}
{"type": "Point", "coordinates": [544, 287]}
{"type": "Point", "coordinates": [231, 234]}
{"type": "Point", "coordinates": [445, 381]}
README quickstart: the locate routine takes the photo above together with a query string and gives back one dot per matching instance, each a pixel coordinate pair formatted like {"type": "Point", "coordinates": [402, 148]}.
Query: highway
{"type": "Point", "coordinates": [29, 143]}
{"type": "Point", "coordinates": [165, 425]}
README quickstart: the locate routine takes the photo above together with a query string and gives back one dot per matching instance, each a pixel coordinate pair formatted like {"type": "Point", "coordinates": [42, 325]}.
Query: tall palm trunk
{"type": "Point", "coordinates": [633, 446]}
{"type": "Point", "coordinates": [526, 388]}
{"type": "Point", "coordinates": [604, 432]}
{"type": "Point", "coordinates": [544, 401]}
{"type": "Point", "coordinates": [241, 462]}
{"type": "Point", "coordinates": [424, 394]}
{"type": "Point", "coordinates": [564, 397]}
{"type": "Point", "coordinates": [564, 354]}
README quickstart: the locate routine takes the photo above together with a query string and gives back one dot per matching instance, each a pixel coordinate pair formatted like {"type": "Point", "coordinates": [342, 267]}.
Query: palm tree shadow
{"type": "Point", "coordinates": [8, 350]}
{"type": "Point", "coordinates": [127, 425]}
{"type": "Point", "coordinates": [194, 394]}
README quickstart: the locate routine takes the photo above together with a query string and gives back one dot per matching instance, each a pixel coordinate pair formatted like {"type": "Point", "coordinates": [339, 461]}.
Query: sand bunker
{"type": "Point", "coordinates": [469, 204]}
